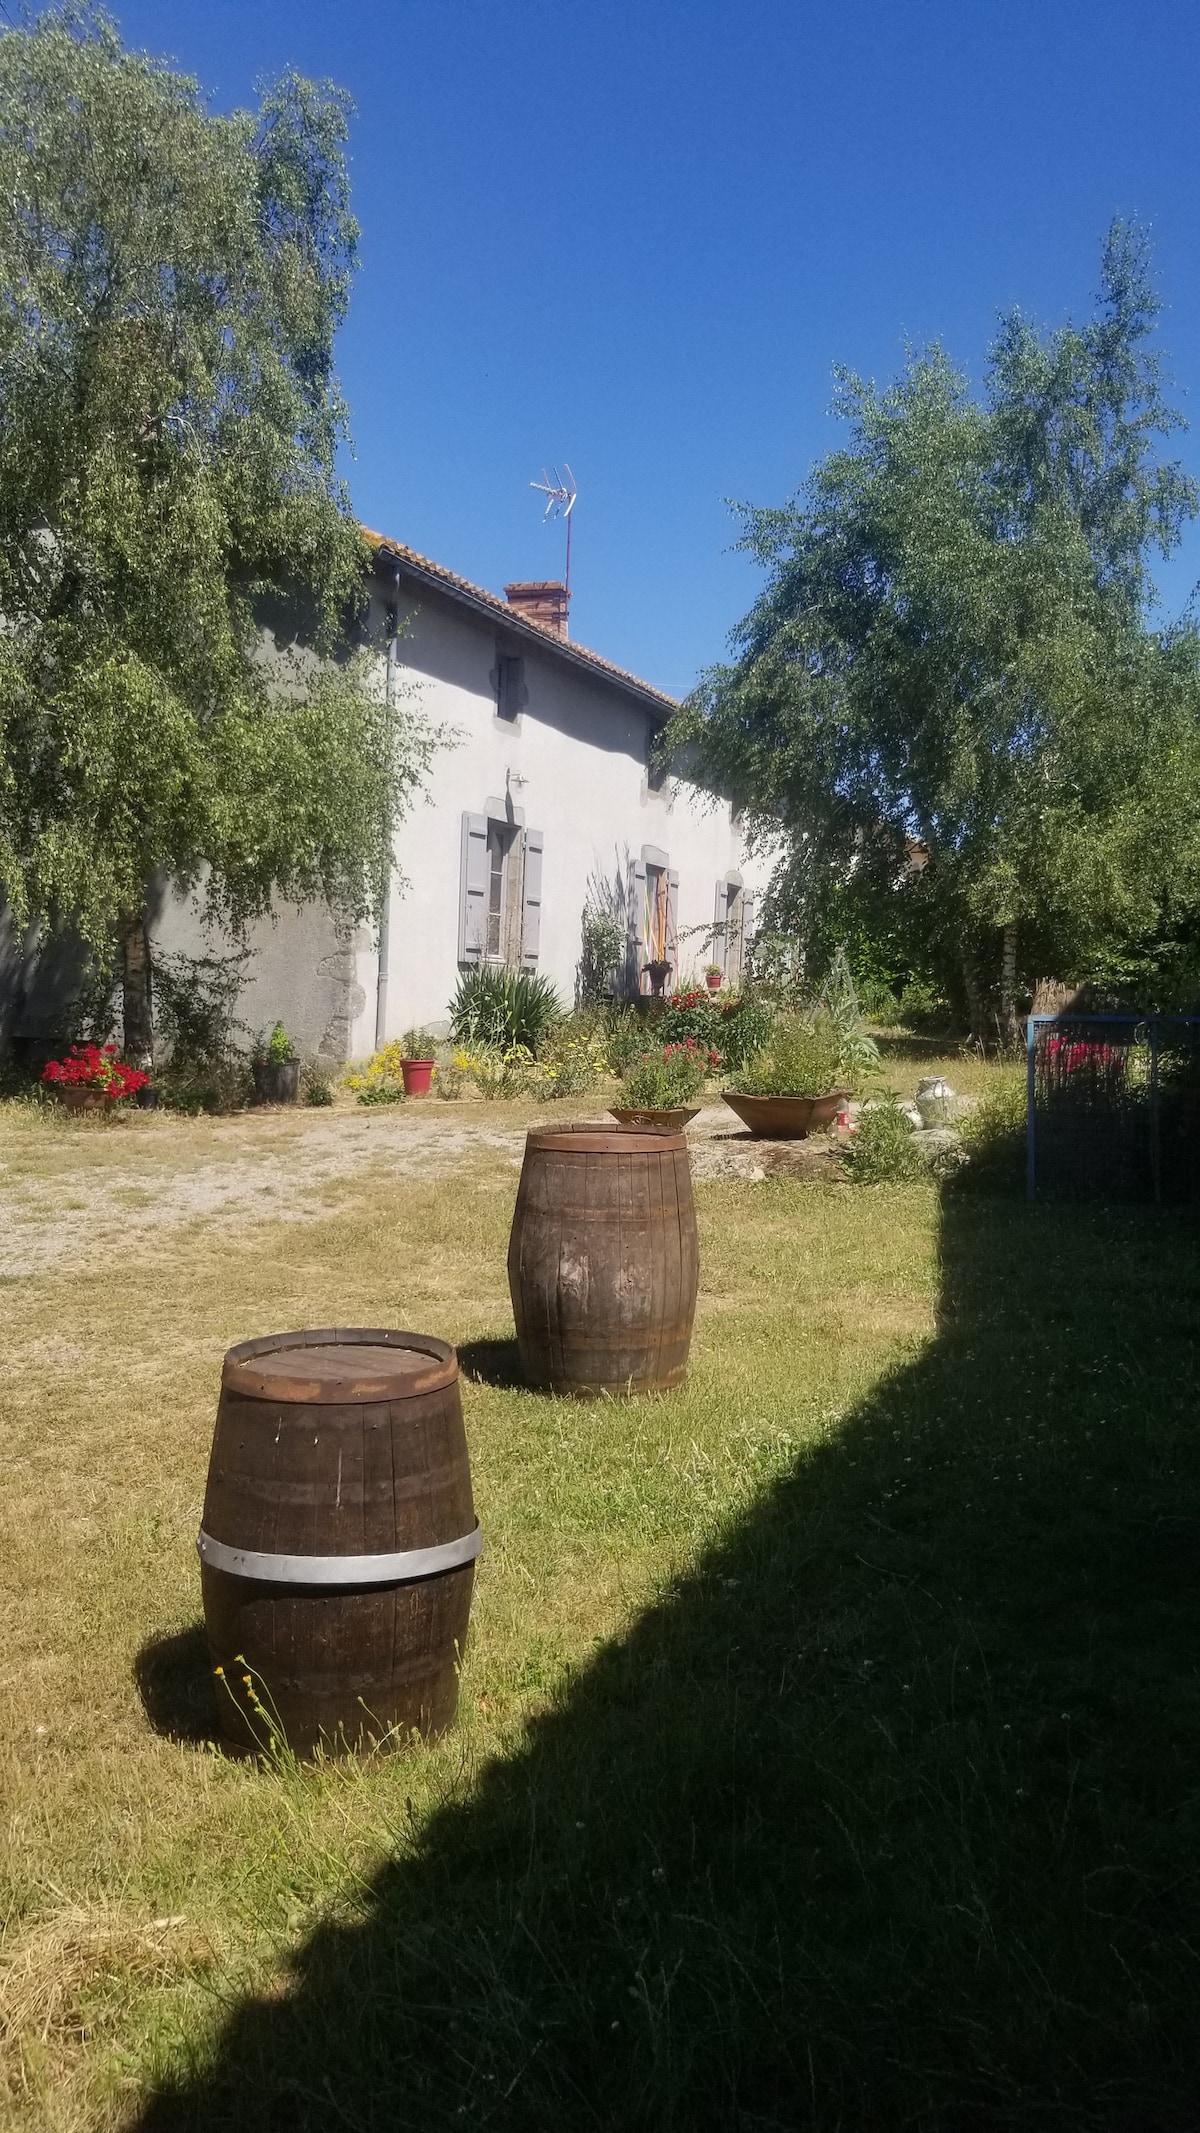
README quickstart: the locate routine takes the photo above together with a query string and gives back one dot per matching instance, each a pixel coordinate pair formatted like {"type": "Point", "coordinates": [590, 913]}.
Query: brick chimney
{"type": "Point", "coordinates": [545, 602]}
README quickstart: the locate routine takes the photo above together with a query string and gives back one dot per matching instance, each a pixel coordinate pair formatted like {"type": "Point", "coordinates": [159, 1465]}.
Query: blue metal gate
{"type": "Point", "coordinates": [1114, 1105]}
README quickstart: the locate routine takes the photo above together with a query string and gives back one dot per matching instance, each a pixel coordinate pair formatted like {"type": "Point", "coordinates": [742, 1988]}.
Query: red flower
{"type": "Point", "coordinates": [92, 1066]}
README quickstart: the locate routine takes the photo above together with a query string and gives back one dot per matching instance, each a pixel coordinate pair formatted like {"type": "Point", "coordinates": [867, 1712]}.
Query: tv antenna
{"type": "Point", "coordinates": [560, 502]}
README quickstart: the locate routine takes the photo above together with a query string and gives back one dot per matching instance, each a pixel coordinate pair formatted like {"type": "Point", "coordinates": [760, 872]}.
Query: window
{"type": "Point", "coordinates": [652, 911]}
{"type": "Point", "coordinates": [654, 915]}
{"type": "Point", "coordinates": [510, 688]}
{"type": "Point", "coordinates": [500, 889]}
{"type": "Point", "coordinates": [500, 841]}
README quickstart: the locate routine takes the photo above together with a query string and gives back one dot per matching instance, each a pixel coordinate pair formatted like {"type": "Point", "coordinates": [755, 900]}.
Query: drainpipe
{"type": "Point", "coordinates": [385, 900]}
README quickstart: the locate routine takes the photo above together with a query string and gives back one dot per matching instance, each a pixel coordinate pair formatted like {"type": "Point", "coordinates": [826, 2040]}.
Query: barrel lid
{"type": "Point", "coordinates": [596, 1137]}
{"type": "Point", "coordinates": [339, 1366]}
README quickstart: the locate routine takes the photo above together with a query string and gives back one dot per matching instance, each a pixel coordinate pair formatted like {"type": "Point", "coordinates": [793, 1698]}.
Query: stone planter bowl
{"type": "Point", "coordinates": [785, 1118]}
{"type": "Point", "coordinates": [672, 1119]}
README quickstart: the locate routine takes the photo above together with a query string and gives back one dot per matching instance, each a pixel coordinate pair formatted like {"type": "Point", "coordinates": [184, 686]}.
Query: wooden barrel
{"type": "Point", "coordinates": [337, 1553]}
{"type": "Point", "coordinates": [603, 1260]}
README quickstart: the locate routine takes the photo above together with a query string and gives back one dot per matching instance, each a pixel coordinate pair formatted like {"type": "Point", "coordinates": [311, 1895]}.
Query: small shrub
{"type": "Point", "coordinates": [993, 1138]}
{"type": "Point", "coordinates": [450, 1081]}
{"type": "Point", "coordinates": [625, 1038]}
{"type": "Point", "coordinates": [745, 1029]}
{"type": "Point", "coordinates": [885, 1149]}
{"type": "Point", "coordinates": [317, 1085]}
{"type": "Point", "coordinates": [694, 1014]}
{"type": "Point", "coordinates": [501, 1010]}
{"type": "Point", "coordinates": [380, 1081]}
{"type": "Point", "coordinates": [274, 1050]}
{"type": "Point", "coordinates": [660, 1081]}
{"type": "Point", "coordinates": [602, 952]}
{"type": "Point", "coordinates": [499, 1074]}
{"type": "Point", "coordinates": [803, 1057]}
{"type": "Point", "coordinates": [572, 1058]}
{"type": "Point", "coordinates": [418, 1044]}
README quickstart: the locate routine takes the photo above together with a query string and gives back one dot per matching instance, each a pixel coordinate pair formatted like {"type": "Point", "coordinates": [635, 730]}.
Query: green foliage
{"type": "Point", "coordinates": [804, 1056]}
{"type": "Point", "coordinates": [993, 1138]}
{"type": "Point", "coordinates": [499, 1074]}
{"type": "Point", "coordinates": [500, 1009]}
{"type": "Point", "coordinates": [170, 285]}
{"type": "Point", "coordinates": [572, 1057]}
{"type": "Point", "coordinates": [693, 1016]}
{"type": "Point", "coordinates": [949, 680]}
{"type": "Point", "coordinates": [274, 1049]}
{"type": "Point", "coordinates": [745, 1029]}
{"type": "Point", "coordinates": [418, 1044]}
{"type": "Point", "coordinates": [601, 953]}
{"type": "Point", "coordinates": [317, 1084]}
{"type": "Point", "coordinates": [884, 1149]}
{"type": "Point", "coordinates": [204, 1067]}
{"type": "Point", "coordinates": [626, 1034]}
{"type": "Point", "coordinates": [665, 1080]}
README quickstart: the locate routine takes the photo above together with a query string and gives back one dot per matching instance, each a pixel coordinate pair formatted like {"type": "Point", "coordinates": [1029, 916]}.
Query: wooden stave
{"type": "Point", "coordinates": [314, 1645]}
{"type": "Point", "coordinates": [558, 1354]}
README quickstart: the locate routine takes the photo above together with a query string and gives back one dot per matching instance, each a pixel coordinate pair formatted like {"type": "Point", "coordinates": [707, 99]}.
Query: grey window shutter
{"type": "Point", "coordinates": [637, 914]}
{"type": "Point", "coordinates": [673, 922]}
{"type": "Point", "coordinates": [531, 905]}
{"type": "Point", "coordinates": [719, 952]}
{"type": "Point", "coordinates": [472, 889]}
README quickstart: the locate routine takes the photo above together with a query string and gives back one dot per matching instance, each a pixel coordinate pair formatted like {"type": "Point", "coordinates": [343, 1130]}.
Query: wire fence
{"type": "Point", "coordinates": [1114, 1105]}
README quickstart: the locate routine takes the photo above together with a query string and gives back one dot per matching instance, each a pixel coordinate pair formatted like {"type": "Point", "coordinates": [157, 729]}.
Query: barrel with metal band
{"type": "Point", "coordinates": [337, 1551]}
{"type": "Point", "coordinates": [603, 1260]}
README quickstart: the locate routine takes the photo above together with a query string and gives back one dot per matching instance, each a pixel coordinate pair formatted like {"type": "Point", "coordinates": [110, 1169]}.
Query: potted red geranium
{"type": "Point", "coordinates": [92, 1078]}
{"type": "Point", "coordinates": [713, 977]}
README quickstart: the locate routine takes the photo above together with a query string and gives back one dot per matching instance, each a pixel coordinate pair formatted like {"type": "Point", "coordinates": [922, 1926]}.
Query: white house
{"type": "Point", "coordinates": [544, 800]}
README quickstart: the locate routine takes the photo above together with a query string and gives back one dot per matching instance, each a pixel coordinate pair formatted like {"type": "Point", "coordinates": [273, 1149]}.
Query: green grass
{"type": "Point", "coordinates": [830, 1730]}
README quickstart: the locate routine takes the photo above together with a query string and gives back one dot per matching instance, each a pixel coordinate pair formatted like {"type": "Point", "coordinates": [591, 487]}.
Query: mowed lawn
{"type": "Point", "coordinates": [830, 1742]}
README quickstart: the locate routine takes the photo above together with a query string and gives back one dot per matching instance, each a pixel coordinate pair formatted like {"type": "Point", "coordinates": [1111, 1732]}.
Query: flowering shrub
{"type": "Point", "coordinates": [571, 1060]}
{"type": "Point", "coordinates": [695, 1014]}
{"type": "Point", "coordinates": [1077, 1055]}
{"type": "Point", "coordinates": [496, 1073]}
{"type": "Point", "coordinates": [380, 1081]}
{"type": "Point", "coordinates": [661, 1081]}
{"type": "Point", "coordinates": [95, 1066]}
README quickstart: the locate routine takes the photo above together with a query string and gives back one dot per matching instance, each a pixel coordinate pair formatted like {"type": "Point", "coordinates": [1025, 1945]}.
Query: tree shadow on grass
{"type": "Point", "coordinates": [174, 1680]}
{"type": "Point", "coordinates": [888, 1815]}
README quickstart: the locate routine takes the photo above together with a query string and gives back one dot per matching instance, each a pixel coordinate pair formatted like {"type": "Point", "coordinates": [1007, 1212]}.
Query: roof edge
{"type": "Point", "coordinates": [493, 609]}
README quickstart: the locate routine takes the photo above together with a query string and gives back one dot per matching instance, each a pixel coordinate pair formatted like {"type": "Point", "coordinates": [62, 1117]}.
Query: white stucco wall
{"type": "Point", "coordinates": [574, 765]}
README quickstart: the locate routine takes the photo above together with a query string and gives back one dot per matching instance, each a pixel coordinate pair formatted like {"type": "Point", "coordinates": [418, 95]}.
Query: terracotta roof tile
{"type": "Point", "coordinates": [474, 596]}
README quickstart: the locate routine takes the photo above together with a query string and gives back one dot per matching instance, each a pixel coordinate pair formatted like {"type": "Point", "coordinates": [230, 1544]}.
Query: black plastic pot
{"type": "Point", "coordinates": [276, 1081]}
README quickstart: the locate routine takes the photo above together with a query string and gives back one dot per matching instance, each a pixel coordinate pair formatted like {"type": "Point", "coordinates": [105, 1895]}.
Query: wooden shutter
{"type": "Point", "coordinates": [531, 904]}
{"type": "Point", "coordinates": [672, 941]}
{"type": "Point", "coordinates": [472, 889]}
{"type": "Point", "coordinates": [637, 909]}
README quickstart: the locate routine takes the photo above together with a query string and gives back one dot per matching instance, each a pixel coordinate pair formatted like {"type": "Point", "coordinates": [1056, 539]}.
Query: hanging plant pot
{"type": "Point", "coordinates": [276, 1081]}
{"type": "Point", "coordinates": [658, 972]}
{"type": "Point", "coordinates": [418, 1075]}
{"type": "Point", "coordinates": [785, 1118]}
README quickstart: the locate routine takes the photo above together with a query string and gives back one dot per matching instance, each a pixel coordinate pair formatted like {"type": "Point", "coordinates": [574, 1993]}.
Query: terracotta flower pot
{"type": "Point", "coordinates": [670, 1120]}
{"type": "Point", "coordinates": [785, 1118]}
{"type": "Point", "coordinates": [276, 1081]}
{"type": "Point", "coordinates": [81, 1098]}
{"type": "Point", "coordinates": [713, 979]}
{"type": "Point", "coordinates": [418, 1074]}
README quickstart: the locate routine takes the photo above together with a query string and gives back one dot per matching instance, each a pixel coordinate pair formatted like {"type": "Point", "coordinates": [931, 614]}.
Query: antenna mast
{"type": "Point", "coordinates": [560, 502]}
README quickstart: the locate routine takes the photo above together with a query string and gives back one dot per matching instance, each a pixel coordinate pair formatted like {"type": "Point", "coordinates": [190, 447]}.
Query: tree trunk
{"type": "Point", "coordinates": [135, 992]}
{"type": "Point", "coordinates": [1009, 1026]}
{"type": "Point", "coordinates": [975, 1010]}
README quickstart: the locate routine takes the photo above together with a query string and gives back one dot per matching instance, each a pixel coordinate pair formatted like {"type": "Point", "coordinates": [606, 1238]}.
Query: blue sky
{"type": "Point", "coordinates": [638, 236]}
